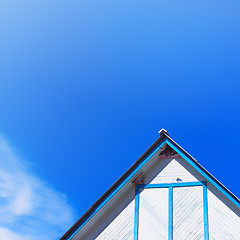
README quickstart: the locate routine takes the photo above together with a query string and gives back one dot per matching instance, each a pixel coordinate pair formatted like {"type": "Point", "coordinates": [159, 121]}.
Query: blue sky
{"type": "Point", "coordinates": [86, 85]}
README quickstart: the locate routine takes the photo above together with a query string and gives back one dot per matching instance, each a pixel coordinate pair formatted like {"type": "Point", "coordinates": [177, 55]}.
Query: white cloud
{"type": "Point", "coordinates": [29, 208]}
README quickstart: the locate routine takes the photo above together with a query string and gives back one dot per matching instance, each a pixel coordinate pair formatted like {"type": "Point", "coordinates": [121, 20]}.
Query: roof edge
{"type": "Point", "coordinates": [163, 134]}
{"type": "Point", "coordinates": [113, 187]}
{"type": "Point", "coordinates": [203, 169]}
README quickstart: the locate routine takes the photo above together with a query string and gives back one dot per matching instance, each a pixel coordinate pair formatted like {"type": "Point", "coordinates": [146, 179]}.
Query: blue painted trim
{"type": "Point", "coordinates": [118, 188]}
{"type": "Point", "coordinates": [167, 185]}
{"type": "Point", "coordinates": [136, 214]}
{"type": "Point", "coordinates": [205, 212]}
{"type": "Point", "coordinates": [170, 214]}
{"type": "Point", "coordinates": [173, 146]}
{"type": "Point", "coordinates": [170, 187]}
{"type": "Point", "coordinates": [193, 164]}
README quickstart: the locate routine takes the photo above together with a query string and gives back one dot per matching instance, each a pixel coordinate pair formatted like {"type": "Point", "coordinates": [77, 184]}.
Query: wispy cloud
{"type": "Point", "coordinates": [29, 208]}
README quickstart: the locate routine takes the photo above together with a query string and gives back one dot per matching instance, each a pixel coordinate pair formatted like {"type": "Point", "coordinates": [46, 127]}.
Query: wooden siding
{"type": "Point", "coordinates": [121, 227]}
{"type": "Point", "coordinates": [188, 213]}
{"type": "Point", "coordinates": [115, 221]}
{"type": "Point", "coordinates": [153, 214]}
{"type": "Point", "coordinates": [224, 217]}
{"type": "Point", "coordinates": [169, 170]}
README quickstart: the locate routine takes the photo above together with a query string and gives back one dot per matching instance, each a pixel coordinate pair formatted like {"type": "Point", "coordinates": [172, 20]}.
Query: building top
{"type": "Point", "coordinates": [167, 147]}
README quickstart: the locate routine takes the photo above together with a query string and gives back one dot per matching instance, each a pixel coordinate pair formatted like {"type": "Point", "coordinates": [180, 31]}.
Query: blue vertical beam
{"type": "Point", "coordinates": [205, 211]}
{"type": "Point", "coordinates": [136, 215]}
{"type": "Point", "coordinates": [170, 213]}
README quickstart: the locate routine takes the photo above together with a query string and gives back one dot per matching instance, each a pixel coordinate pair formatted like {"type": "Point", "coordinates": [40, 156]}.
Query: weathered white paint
{"type": "Point", "coordinates": [121, 227]}
{"type": "Point", "coordinates": [113, 221]}
{"type": "Point", "coordinates": [116, 219]}
{"type": "Point", "coordinates": [153, 214]}
{"type": "Point", "coordinates": [169, 170]}
{"type": "Point", "coordinates": [188, 213]}
{"type": "Point", "coordinates": [224, 217]}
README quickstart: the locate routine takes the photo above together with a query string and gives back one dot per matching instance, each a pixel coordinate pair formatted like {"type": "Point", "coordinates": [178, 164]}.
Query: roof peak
{"type": "Point", "coordinates": [163, 132]}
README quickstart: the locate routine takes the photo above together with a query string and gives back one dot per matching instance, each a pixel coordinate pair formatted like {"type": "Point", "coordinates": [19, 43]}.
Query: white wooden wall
{"type": "Point", "coordinates": [224, 222]}
{"type": "Point", "coordinates": [224, 217]}
{"type": "Point", "coordinates": [153, 214]}
{"type": "Point", "coordinates": [114, 221]}
{"type": "Point", "coordinates": [168, 170]}
{"type": "Point", "coordinates": [188, 220]}
{"type": "Point", "coordinates": [121, 227]}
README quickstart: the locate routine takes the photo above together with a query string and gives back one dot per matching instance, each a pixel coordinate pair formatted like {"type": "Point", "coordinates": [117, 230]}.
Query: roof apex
{"type": "Point", "coordinates": [163, 132]}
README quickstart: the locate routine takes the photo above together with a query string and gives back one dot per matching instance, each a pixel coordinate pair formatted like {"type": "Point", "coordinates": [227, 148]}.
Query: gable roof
{"type": "Point", "coordinates": [163, 139]}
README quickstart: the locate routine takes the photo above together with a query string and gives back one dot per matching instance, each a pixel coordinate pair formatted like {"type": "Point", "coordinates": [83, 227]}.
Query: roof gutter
{"type": "Point", "coordinates": [113, 187]}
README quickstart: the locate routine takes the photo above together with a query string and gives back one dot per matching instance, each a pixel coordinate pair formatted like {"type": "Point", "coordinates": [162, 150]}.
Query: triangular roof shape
{"type": "Point", "coordinates": [133, 174]}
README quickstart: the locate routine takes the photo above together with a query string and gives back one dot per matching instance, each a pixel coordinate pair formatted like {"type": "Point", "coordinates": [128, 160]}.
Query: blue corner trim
{"type": "Point", "coordinates": [170, 214]}
{"type": "Point", "coordinates": [207, 176]}
{"type": "Point", "coordinates": [136, 215]}
{"type": "Point", "coordinates": [205, 212]}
